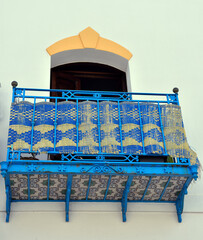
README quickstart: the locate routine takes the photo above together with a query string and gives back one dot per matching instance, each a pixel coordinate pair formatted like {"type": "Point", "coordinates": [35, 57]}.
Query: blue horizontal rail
{"type": "Point", "coordinates": [27, 93]}
{"type": "Point", "coordinates": [77, 158]}
{"type": "Point", "coordinates": [86, 168]}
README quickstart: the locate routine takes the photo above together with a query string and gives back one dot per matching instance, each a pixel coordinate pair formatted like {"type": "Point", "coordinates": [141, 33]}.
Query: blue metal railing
{"type": "Point", "coordinates": [127, 165]}
{"type": "Point", "coordinates": [35, 95]}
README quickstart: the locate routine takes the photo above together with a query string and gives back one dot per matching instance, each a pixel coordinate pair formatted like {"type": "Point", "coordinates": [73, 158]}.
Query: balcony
{"type": "Point", "coordinates": [68, 146]}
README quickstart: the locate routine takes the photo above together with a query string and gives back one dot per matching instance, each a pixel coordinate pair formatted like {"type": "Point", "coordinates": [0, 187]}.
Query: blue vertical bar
{"type": "Point", "coordinates": [162, 130]}
{"type": "Point", "coordinates": [99, 134]}
{"type": "Point", "coordinates": [125, 197]}
{"type": "Point", "coordinates": [68, 193]}
{"type": "Point", "coordinates": [55, 124]}
{"type": "Point", "coordinates": [88, 189]}
{"type": "Point", "coordinates": [177, 99]}
{"type": "Point", "coordinates": [141, 127]}
{"type": "Point", "coordinates": [167, 99]}
{"type": "Point", "coordinates": [48, 184]}
{"type": "Point", "coordinates": [23, 94]}
{"type": "Point", "coordinates": [130, 96]}
{"type": "Point", "coordinates": [77, 125]}
{"type": "Point", "coordinates": [8, 196]}
{"type": "Point", "coordinates": [169, 179]}
{"type": "Point", "coordinates": [28, 185]}
{"type": "Point", "coordinates": [146, 188]}
{"type": "Point", "coordinates": [107, 188]}
{"type": "Point", "coordinates": [180, 199]}
{"type": "Point", "coordinates": [19, 155]}
{"type": "Point", "coordinates": [120, 125]}
{"type": "Point", "coordinates": [33, 123]}
{"type": "Point", "coordinates": [13, 95]}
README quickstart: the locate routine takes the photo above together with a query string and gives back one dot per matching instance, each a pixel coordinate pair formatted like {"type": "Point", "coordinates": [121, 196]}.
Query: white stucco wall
{"type": "Point", "coordinates": [166, 39]}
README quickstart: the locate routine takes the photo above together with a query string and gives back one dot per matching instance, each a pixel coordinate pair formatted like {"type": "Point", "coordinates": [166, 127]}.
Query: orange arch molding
{"type": "Point", "coordinates": [88, 38]}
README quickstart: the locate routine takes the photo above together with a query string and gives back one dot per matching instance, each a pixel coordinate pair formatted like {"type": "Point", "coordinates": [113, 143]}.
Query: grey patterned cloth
{"type": "Point", "coordinates": [98, 187]}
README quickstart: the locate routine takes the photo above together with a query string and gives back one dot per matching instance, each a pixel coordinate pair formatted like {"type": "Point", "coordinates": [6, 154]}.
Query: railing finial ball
{"type": "Point", "coordinates": [176, 90]}
{"type": "Point", "coordinates": [14, 84]}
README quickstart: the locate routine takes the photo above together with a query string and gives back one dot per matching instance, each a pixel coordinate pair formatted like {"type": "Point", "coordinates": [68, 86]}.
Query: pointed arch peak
{"type": "Point", "coordinates": [89, 38]}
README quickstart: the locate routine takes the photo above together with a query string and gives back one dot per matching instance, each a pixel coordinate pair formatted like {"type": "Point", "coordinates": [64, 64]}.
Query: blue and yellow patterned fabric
{"type": "Point", "coordinates": [19, 136]}
{"type": "Point", "coordinates": [43, 137]}
{"type": "Point", "coordinates": [70, 128]}
{"type": "Point", "coordinates": [66, 127]}
{"type": "Point", "coordinates": [110, 133]}
{"type": "Point", "coordinates": [88, 127]}
{"type": "Point", "coordinates": [153, 139]}
{"type": "Point", "coordinates": [175, 136]}
{"type": "Point", "coordinates": [131, 131]}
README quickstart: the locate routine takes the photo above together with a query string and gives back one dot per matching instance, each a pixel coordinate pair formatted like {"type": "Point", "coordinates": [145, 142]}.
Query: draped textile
{"type": "Point", "coordinates": [88, 128]}
{"type": "Point", "coordinates": [19, 135]}
{"type": "Point", "coordinates": [66, 127]}
{"type": "Point", "coordinates": [43, 135]}
{"type": "Point", "coordinates": [99, 127]}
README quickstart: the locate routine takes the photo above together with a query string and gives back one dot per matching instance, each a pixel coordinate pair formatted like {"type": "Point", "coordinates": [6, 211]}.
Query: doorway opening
{"type": "Point", "coordinates": [88, 76]}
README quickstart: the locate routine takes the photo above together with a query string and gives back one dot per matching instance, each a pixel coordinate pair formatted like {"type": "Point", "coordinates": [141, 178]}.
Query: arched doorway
{"type": "Point", "coordinates": [89, 62]}
{"type": "Point", "coordinates": [88, 76]}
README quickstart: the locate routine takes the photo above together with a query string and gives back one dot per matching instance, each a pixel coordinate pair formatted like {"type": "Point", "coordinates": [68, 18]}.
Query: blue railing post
{"type": "Point", "coordinates": [99, 126]}
{"type": "Point", "coordinates": [33, 123]}
{"type": "Point", "coordinates": [8, 202]}
{"type": "Point", "coordinates": [68, 192]}
{"type": "Point", "coordinates": [141, 128]}
{"type": "Point", "coordinates": [162, 129]}
{"type": "Point", "coordinates": [55, 124]}
{"type": "Point", "coordinates": [8, 196]}
{"type": "Point", "coordinates": [125, 197]}
{"type": "Point", "coordinates": [23, 94]}
{"type": "Point", "coordinates": [120, 126]}
{"type": "Point", "coordinates": [14, 84]}
{"type": "Point", "coordinates": [180, 199]}
{"type": "Point", "coordinates": [194, 171]}
{"type": "Point", "coordinates": [77, 126]}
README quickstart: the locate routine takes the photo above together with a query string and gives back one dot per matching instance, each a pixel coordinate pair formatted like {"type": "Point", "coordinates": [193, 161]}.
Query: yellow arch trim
{"type": "Point", "coordinates": [89, 38]}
